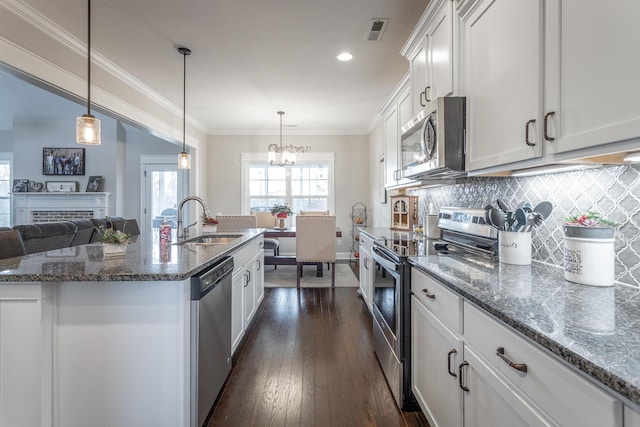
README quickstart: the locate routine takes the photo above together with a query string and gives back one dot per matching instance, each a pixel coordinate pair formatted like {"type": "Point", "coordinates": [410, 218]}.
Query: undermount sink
{"type": "Point", "coordinates": [209, 239]}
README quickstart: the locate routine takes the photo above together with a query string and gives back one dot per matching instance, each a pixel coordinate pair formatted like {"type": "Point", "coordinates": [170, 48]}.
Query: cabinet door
{"type": "Point", "coordinates": [391, 143]}
{"type": "Point", "coordinates": [237, 307]}
{"type": "Point", "coordinates": [592, 74]}
{"type": "Point", "coordinates": [504, 81]}
{"type": "Point", "coordinates": [440, 53]}
{"type": "Point", "coordinates": [490, 402]}
{"type": "Point", "coordinates": [259, 277]}
{"type": "Point", "coordinates": [436, 353]}
{"type": "Point", "coordinates": [418, 71]}
{"type": "Point", "coordinates": [364, 266]}
{"type": "Point", "coordinates": [249, 289]}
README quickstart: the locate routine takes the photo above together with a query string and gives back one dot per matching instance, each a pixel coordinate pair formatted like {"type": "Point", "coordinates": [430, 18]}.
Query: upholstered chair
{"type": "Point", "coordinates": [84, 231]}
{"type": "Point", "coordinates": [314, 213]}
{"type": "Point", "coordinates": [316, 242]}
{"type": "Point", "coordinates": [46, 236]}
{"type": "Point", "coordinates": [236, 222]}
{"type": "Point", "coordinates": [267, 220]}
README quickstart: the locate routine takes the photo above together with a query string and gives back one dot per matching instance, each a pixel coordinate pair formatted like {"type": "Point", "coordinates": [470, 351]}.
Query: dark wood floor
{"type": "Point", "coordinates": [309, 361]}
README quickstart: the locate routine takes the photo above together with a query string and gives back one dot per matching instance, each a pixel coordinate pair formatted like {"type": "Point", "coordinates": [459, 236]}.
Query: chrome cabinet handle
{"type": "Point", "coordinates": [452, 351]}
{"type": "Point", "coordinates": [259, 265]}
{"type": "Point", "coordinates": [423, 94]}
{"type": "Point", "coordinates": [460, 368]}
{"type": "Point", "coordinates": [522, 367]}
{"type": "Point", "coordinates": [397, 175]}
{"type": "Point", "coordinates": [247, 278]}
{"type": "Point", "coordinates": [426, 90]}
{"type": "Point", "coordinates": [366, 264]}
{"type": "Point", "coordinates": [526, 135]}
{"type": "Point", "coordinates": [546, 126]}
{"type": "Point", "coordinates": [427, 294]}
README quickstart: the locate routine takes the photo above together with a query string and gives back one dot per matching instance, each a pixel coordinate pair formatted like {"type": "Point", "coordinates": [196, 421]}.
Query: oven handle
{"type": "Point", "coordinates": [386, 263]}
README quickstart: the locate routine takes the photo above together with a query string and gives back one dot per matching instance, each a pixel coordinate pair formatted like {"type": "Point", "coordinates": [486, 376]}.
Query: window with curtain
{"type": "Point", "coordinates": [308, 185]}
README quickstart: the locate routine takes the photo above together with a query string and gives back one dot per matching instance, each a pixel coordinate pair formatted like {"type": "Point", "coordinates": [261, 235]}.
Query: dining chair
{"type": "Point", "coordinates": [236, 222]}
{"type": "Point", "coordinates": [265, 219]}
{"type": "Point", "coordinates": [314, 213]}
{"type": "Point", "coordinates": [11, 244]}
{"type": "Point", "coordinates": [316, 242]}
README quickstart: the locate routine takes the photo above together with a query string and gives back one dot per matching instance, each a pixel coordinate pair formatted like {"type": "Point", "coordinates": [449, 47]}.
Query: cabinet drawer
{"type": "Point", "coordinates": [562, 394]}
{"type": "Point", "coordinates": [366, 242]}
{"type": "Point", "coordinates": [445, 305]}
{"type": "Point", "coordinates": [242, 255]}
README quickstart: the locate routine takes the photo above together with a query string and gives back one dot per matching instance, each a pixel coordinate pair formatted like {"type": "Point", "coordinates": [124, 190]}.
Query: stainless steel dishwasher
{"type": "Point", "coordinates": [210, 337]}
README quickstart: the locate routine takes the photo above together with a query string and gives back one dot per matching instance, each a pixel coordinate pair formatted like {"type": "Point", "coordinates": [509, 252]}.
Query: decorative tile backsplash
{"type": "Point", "coordinates": [613, 191]}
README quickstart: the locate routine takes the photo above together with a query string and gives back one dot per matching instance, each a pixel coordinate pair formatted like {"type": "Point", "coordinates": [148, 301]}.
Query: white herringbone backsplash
{"type": "Point", "coordinates": [613, 191]}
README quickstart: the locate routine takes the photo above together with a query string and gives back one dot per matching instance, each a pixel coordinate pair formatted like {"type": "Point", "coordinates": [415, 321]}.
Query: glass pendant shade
{"type": "Point", "coordinates": [184, 160]}
{"type": "Point", "coordinates": [87, 130]}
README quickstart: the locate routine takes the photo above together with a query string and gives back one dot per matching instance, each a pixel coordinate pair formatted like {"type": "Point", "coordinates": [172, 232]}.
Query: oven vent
{"type": "Point", "coordinates": [376, 29]}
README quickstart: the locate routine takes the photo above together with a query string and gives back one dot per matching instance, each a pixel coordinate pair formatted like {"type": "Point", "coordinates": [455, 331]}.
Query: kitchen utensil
{"type": "Point", "coordinates": [521, 219]}
{"type": "Point", "coordinates": [497, 218]}
{"type": "Point", "coordinates": [502, 205]}
{"type": "Point", "coordinates": [544, 209]}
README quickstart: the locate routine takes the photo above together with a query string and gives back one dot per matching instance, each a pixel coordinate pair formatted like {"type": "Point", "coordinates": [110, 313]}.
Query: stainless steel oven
{"type": "Point", "coordinates": [392, 321]}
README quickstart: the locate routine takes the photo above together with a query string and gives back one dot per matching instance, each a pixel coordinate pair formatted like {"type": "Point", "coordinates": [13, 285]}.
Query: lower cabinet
{"type": "Point", "coordinates": [436, 352]}
{"type": "Point", "coordinates": [486, 374]}
{"type": "Point", "coordinates": [247, 288]}
{"type": "Point", "coordinates": [631, 417]}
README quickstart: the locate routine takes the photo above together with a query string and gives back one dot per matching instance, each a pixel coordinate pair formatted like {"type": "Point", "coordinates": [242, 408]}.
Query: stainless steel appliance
{"type": "Point", "coordinates": [392, 320]}
{"type": "Point", "coordinates": [432, 144]}
{"type": "Point", "coordinates": [466, 229]}
{"type": "Point", "coordinates": [210, 337]}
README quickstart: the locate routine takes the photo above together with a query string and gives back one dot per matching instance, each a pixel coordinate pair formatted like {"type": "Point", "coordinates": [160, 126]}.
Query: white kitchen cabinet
{"type": "Point", "coordinates": [434, 345]}
{"type": "Point", "coordinates": [571, 401]}
{"type": "Point", "coordinates": [430, 51]}
{"type": "Point", "coordinates": [631, 417]}
{"type": "Point", "coordinates": [243, 287]}
{"type": "Point", "coordinates": [543, 86]}
{"type": "Point", "coordinates": [366, 270]}
{"type": "Point", "coordinates": [391, 145]}
{"type": "Point", "coordinates": [591, 76]}
{"type": "Point", "coordinates": [253, 287]}
{"type": "Point", "coordinates": [491, 402]}
{"type": "Point", "coordinates": [259, 277]}
{"type": "Point", "coordinates": [504, 81]}
{"type": "Point", "coordinates": [237, 308]}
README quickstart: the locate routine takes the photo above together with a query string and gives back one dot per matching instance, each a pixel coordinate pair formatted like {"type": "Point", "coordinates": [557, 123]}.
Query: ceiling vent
{"type": "Point", "coordinates": [376, 29]}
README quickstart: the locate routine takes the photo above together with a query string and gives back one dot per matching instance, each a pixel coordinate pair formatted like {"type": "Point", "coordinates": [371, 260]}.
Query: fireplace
{"type": "Point", "coordinates": [33, 208]}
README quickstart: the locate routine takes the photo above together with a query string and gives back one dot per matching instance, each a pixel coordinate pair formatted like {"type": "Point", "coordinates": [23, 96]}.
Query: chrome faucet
{"type": "Point", "coordinates": [184, 233]}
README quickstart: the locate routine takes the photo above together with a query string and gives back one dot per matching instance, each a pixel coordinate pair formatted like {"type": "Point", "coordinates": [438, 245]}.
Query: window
{"type": "Point", "coordinates": [306, 186]}
{"type": "Point", "coordinates": [6, 160]}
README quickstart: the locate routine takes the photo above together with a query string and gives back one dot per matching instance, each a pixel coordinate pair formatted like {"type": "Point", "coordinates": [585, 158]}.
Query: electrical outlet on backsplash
{"type": "Point", "coordinates": [613, 191]}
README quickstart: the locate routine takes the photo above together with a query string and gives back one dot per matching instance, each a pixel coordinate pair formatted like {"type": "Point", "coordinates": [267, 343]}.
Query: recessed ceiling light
{"type": "Point", "coordinates": [344, 56]}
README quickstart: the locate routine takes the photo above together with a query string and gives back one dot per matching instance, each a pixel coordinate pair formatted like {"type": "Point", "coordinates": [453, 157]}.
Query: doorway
{"type": "Point", "coordinates": [162, 186]}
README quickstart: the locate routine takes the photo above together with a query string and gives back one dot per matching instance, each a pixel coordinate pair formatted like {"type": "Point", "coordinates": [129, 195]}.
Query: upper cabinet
{"type": "Point", "coordinates": [430, 52]}
{"type": "Point", "coordinates": [542, 83]}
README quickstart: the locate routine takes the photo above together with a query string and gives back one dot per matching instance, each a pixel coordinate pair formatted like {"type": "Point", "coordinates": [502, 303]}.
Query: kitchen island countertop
{"type": "Point", "coordinates": [145, 260]}
{"type": "Point", "coordinates": [594, 329]}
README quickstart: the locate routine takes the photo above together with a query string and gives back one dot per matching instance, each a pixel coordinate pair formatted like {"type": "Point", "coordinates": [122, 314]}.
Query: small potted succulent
{"type": "Point", "coordinates": [281, 212]}
{"type": "Point", "coordinates": [589, 256]}
{"type": "Point", "coordinates": [114, 242]}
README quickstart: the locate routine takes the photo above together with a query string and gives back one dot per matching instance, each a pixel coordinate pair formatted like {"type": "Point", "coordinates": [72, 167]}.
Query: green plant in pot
{"type": "Point", "coordinates": [114, 242]}
{"type": "Point", "coordinates": [281, 211]}
{"type": "Point", "coordinates": [590, 224]}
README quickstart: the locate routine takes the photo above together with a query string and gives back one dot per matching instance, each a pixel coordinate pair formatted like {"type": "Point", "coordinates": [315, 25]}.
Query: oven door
{"type": "Point", "coordinates": [387, 306]}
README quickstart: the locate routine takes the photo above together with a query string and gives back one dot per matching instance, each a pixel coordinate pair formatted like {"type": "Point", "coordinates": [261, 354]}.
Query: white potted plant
{"type": "Point", "coordinates": [114, 242]}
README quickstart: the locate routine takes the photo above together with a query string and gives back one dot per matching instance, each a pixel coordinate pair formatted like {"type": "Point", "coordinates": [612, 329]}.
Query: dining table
{"type": "Point", "coordinates": [277, 233]}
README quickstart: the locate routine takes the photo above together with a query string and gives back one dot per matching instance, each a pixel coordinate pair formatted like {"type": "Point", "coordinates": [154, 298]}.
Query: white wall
{"type": "Point", "coordinates": [351, 172]}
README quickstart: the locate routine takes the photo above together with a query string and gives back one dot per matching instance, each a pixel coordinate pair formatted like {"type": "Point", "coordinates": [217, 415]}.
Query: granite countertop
{"type": "Point", "coordinates": [595, 329]}
{"type": "Point", "coordinates": [145, 261]}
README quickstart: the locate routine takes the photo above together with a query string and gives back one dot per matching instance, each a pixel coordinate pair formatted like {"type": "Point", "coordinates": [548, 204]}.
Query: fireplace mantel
{"type": "Point", "coordinates": [30, 208]}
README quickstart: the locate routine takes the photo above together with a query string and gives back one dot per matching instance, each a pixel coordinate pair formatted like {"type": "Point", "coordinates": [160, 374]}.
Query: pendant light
{"type": "Point", "coordinates": [184, 160]}
{"type": "Point", "coordinates": [287, 152]}
{"type": "Point", "coordinates": [88, 126]}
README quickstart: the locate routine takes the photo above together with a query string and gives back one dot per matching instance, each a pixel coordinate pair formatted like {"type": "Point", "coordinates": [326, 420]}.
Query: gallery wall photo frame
{"type": "Point", "coordinates": [61, 186]}
{"type": "Point", "coordinates": [63, 161]}
{"type": "Point", "coordinates": [95, 184]}
{"type": "Point", "coordinates": [20, 186]}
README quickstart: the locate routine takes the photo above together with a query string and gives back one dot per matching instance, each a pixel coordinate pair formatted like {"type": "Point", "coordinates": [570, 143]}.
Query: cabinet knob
{"type": "Point", "coordinates": [526, 134]}
{"type": "Point", "coordinates": [522, 367]}
{"type": "Point", "coordinates": [451, 352]}
{"type": "Point", "coordinates": [426, 293]}
{"type": "Point", "coordinates": [546, 126]}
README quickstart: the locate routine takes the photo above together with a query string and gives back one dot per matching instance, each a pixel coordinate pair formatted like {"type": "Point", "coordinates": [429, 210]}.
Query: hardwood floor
{"type": "Point", "coordinates": [309, 361]}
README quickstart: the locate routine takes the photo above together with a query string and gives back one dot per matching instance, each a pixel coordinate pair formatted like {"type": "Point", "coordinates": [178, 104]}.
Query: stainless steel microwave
{"type": "Point", "coordinates": [432, 144]}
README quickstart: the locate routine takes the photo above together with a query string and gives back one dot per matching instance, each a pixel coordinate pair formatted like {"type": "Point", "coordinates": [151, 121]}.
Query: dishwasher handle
{"type": "Point", "coordinates": [208, 279]}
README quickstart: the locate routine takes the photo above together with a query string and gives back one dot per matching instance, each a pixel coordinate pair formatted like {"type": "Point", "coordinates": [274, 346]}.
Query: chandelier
{"type": "Point", "coordinates": [287, 152]}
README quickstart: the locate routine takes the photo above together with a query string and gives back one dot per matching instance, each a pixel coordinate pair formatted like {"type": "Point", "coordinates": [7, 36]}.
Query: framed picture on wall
{"type": "Point", "coordinates": [63, 161]}
{"type": "Point", "coordinates": [95, 183]}
{"type": "Point", "coordinates": [20, 185]}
